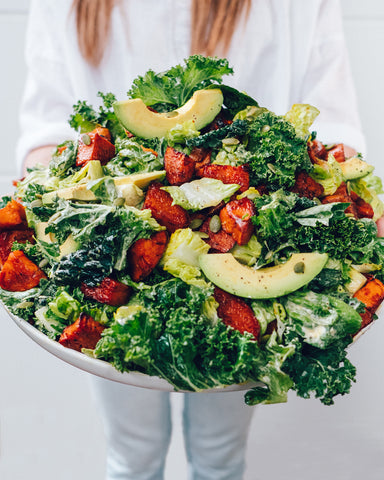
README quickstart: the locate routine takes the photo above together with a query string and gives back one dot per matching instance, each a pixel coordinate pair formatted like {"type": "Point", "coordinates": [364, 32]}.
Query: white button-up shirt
{"type": "Point", "coordinates": [288, 51]}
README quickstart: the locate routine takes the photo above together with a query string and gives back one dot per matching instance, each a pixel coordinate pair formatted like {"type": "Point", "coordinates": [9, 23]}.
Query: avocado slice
{"type": "Point", "coordinates": [141, 180]}
{"type": "Point", "coordinates": [77, 192]}
{"type": "Point", "coordinates": [224, 271]}
{"type": "Point", "coordinates": [124, 185]}
{"type": "Point", "coordinates": [201, 108]}
{"type": "Point", "coordinates": [69, 246]}
{"type": "Point", "coordinates": [355, 168]}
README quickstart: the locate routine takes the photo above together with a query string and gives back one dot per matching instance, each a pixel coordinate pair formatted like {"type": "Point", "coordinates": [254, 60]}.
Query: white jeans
{"type": "Point", "coordinates": [137, 424]}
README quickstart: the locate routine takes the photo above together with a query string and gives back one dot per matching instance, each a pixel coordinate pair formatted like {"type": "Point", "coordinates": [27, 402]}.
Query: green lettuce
{"type": "Point", "coordinates": [183, 347]}
{"type": "Point", "coordinates": [320, 319]}
{"type": "Point", "coordinates": [202, 193]}
{"type": "Point", "coordinates": [301, 116]}
{"type": "Point", "coordinates": [171, 89]}
{"type": "Point", "coordinates": [131, 158]}
{"type": "Point", "coordinates": [181, 257]}
{"type": "Point", "coordinates": [369, 188]}
{"type": "Point", "coordinates": [329, 174]}
{"type": "Point", "coordinates": [278, 153]}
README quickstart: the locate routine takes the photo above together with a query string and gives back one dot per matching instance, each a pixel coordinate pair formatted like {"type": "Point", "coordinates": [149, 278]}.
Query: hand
{"type": "Point", "coordinates": [38, 155]}
{"type": "Point", "coordinates": [380, 226]}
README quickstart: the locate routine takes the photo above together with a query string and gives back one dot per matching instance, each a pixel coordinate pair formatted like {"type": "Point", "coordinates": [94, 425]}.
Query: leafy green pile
{"type": "Point", "coordinates": [170, 326]}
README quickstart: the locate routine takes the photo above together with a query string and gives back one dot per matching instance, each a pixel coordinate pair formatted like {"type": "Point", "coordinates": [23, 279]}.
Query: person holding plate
{"type": "Point", "coordinates": [282, 53]}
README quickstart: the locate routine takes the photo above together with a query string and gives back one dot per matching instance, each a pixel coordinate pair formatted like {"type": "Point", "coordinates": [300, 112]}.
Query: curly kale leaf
{"type": "Point", "coordinates": [236, 101]}
{"type": "Point", "coordinates": [4, 200]}
{"type": "Point", "coordinates": [171, 89]}
{"type": "Point", "coordinates": [63, 159]}
{"type": "Point", "coordinates": [214, 138]}
{"type": "Point", "coordinates": [343, 238]}
{"type": "Point", "coordinates": [277, 152]}
{"type": "Point", "coordinates": [324, 373]}
{"type": "Point", "coordinates": [183, 347]}
{"type": "Point", "coordinates": [132, 158]}
{"type": "Point", "coordinates": [90, 264]}
{"type": "Point", "coordinates": [286, 223]}
{"type": "Point", "coordinates": [85, 117]}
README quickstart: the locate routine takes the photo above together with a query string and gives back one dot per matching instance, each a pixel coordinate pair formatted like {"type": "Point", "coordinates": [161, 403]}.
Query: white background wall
{"type": "Point", "coordinates": [49, 427]}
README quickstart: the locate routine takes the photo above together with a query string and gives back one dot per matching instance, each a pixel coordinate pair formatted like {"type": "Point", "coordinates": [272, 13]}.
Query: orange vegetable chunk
{"type": "Point", "coordinates": [19, 273]}
{"type": "Point", "coordinates": [85, 332]}
{"type": "Point", "coordinates": [110, 291]}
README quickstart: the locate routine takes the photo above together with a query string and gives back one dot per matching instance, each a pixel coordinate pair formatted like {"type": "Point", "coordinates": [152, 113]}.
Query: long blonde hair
{"type": "Point", "coordinates": [213, 21]}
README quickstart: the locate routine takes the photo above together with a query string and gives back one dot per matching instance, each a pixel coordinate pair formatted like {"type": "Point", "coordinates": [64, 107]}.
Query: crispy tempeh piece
{"type": "Point", "coordinates": [201, 157]}
{"type": "Point", "coordinates": [85, 332]}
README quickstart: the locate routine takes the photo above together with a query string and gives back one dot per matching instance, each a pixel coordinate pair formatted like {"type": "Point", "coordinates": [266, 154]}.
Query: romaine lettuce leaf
{"type": "Point", "coordinates": [301, 116]}
{"type": "Point", "coordinates": [320, 319]}
{"type": "Point", "coordinates": [202, 193]}
{"type": "Point", "coordinates": [132, 158]}
{"type": "Point", "coordinates": [181, 257]}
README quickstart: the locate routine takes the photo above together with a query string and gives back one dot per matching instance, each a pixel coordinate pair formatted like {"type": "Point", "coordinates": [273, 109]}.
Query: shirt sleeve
{"type": "Point", "coordinates": [328, 82]}
{"type": "Point", "coordinates": [47, 99]}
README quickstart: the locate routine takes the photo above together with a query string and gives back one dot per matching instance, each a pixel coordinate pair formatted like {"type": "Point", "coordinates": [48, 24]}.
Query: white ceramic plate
{"type": "Point", "coordinates": [105, 369]}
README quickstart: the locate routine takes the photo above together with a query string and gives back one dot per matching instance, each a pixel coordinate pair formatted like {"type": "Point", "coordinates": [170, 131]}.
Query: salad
{"type": "Point", "coordinates": [191, 234]}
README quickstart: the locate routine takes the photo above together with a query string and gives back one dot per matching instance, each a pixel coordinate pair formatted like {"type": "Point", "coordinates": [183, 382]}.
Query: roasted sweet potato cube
{"type": "Point", "coordinates": [201, 157]}
{"type": "Point", "coordinates": [160, 202]}
{"type": "Point", "coordinates": [109, 291]}
{"type": "Point", "coordinates": [363, 208]}
{"type": "Point", "coordinates": [341, 195]}
{"type": "Point", "coordinates": [85, 332]}
{"type": "Point", "coordinates": [8, 237]}
{"type": "Point", "coordinates": [220, 241]}
{"type": "Point", "coordinates": [103, 132]}
{"type": "Point", "coordinates": [19, 273]}
{"type": "Point", "coordinates": [236, 313]}
{"type": "Point", "coordinates": [371, 294]}
{"type": "Point", "coordinates": [338, 152]}
{"type": "Point", "coordinates": [316, 151]}
{"type": "Point", "coordinates": [366, 318]}
{"type": "Point", "coordinates": [227, 174]}
{"type": "Point", "coordinates": [306, 186]}
{"type": "Point", "coordinates": [236, 219]}
{"type": "Point", "coordinates": [12, 216]}
{"type": "Point", "coordinates": [145, 254]}
{"type": "Point", "coordinates": [93, 146]}
{"type": "Point", "coordinates": [179, 167]}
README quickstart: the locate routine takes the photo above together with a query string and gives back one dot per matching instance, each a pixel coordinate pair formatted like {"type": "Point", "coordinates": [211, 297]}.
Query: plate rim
{"type": "Point", "coordinates": [104, 369]}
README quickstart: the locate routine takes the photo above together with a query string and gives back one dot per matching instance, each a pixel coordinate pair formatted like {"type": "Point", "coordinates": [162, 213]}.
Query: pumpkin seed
{"type": "Point", "coordinates": [86, 139]}
{"type": "Point", "coordinates": [215, 224]}
{"type": "Point", "coordinates": [299, 267]}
